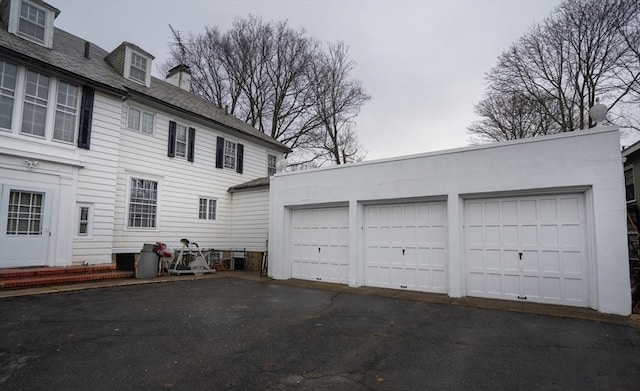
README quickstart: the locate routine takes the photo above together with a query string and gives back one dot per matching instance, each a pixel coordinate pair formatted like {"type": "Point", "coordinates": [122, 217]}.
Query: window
{"type": "Point", "coordinates": [229, 155]}
{"type": "Point", "coordinates": [629, 185]}
{"type": "Point", "coordinates": [46, 107]}
{"type": "Point", "coordinates": [181, 141]}
{"type": "Point", "coordinates": [8, 76]}
{"type": "Point", "coordinates": [83, 221]}
{"type": "Point", "coordinates": [207, 209]}
{"type": "Point", "coordinates": [271, 164]}
{"type": "Point", "coordinates": [24, 216]}
{"type": "Point", "coordinates": [140, 121]}
{"type": "Point", "coordinates": [138, 70]}
{"type": "Point", "coordinates": [32, 22]}
{"type": "Point", "coordinates": [64, 128]}
{"type": "Point", "coordinates": [36, 95]}
{"type": "Point", "coordinates": [143, 203]}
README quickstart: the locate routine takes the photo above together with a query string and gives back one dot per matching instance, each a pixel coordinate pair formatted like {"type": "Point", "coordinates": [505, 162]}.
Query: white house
{"type": "Point", "coordinates": [536, 220]}
{"type": "Point", "coordinates": [97, 156]}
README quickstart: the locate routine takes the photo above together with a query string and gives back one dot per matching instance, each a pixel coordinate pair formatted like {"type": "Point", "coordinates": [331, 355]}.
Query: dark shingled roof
{"type": "Point", "coordinates": [67, 58]}
{"type": "Point", "coordinates": [253, 184]}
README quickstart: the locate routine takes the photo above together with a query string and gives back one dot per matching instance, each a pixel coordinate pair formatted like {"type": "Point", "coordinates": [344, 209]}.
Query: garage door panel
{"type": "Point", "coordinates": [405, 246]}
{"type": "Point", "coordinates": [494, 283]}
{"type": "Point", "coordinates": [552, 288]}
{"type": "Point", "coordinates": [493, 259]}
{"type": "Point", "coordinates": [530, 263]}
{"type": "Point", "coordinates": [531, 286]}
{"type": "Point", "coordinates": [474, 236]}
{"type": "Point", "coordinates": [569, 209]}
{"type": "Point", "coordinates": [530, 248]}
{"type": "Point", "coordinates": [550, 262]}
{"type": "Point", "coordinates": [548, 210]}
{"type": "Point", "coordinates": [473, 213]}
{"type": "Point", "coordinates": [491, 213]}
{"type": "Point", "coordinates": [511, 260]}
{"type": "Point", "coordinates": [439, 259]}
{"type": "Point", "coordinates": [475, 282]}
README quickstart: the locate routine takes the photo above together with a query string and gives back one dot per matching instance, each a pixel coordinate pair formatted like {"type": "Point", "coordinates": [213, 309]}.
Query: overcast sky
{"type": "Point", "coordinates": [422, 61]}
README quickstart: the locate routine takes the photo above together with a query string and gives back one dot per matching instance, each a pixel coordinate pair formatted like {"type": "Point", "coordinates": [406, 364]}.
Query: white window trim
{"type": "Point", "coordinates": [14, 21]}
{"type": "Point", "coordinates": [142, 112]}
{"type": "Point", "coordinates": [209, 199]}
{"type": "Point", "coordinates": [127, 66]}
{"type": "Point", "coordinates": [89, 234]}
{"type": "Point", "coordinates": [149, 177]}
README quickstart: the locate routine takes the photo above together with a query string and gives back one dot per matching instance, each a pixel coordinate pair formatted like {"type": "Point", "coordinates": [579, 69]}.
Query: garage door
{"type": "Point", "coordinates": [320, 244]}
{"type": "Point", "coordinates": [405, 246]}
{"type": "Point", "coordinates": [527, 248]}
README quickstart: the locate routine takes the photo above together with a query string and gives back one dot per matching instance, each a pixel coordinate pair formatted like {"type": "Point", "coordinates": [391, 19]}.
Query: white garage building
{"type": "Point", "coordinates": [537, 220]}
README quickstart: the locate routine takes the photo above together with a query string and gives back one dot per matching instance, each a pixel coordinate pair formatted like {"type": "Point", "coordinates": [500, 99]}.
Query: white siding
{"type": "Point", "coordinates": [97, 182]}
{"type": "Point", "coordinates": [250, 219]}
{"type": "Point", "coordinates": [181, 184]}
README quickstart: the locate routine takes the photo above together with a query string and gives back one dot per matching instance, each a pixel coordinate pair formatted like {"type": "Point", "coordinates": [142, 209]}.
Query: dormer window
{"type": "Point", "coordinates": [32, 20]}
{"type": "Point", "coordinates": [138, 71]}
{"type": "Point", "coordinates": [137, 66]}
{"type": "Point", "coordinates": [132, 63]}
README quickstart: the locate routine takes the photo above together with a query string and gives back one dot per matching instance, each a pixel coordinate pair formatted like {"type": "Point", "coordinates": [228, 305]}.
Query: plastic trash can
{"type": "Point", "coordinates": [148, 263]}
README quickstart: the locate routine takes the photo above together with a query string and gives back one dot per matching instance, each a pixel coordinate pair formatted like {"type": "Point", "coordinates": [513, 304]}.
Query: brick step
{"type": "Point", "coordinates": [35, 281]}
{"type": "Point", "coordinates": [48, 271]}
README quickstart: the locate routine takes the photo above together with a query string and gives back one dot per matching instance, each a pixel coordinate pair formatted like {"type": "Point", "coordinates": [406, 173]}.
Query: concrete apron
{"type": "Point", "coordinates": [505, 305]}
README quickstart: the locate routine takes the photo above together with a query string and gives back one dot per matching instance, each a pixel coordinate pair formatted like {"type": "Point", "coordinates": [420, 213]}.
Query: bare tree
{"type": "Point", "coordinates": [509, 117]}
{"type": "Point", "coordinates": [561, 65]}
{"type": "Point", "coordinates": [338, 99]}
{"type": "Point", "coordinates": [263, 73]}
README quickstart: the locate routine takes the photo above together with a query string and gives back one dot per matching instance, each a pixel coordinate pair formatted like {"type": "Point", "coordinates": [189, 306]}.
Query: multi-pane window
{"type": "Point", "coordinates": [34, 113]}
{"type": "Point", "coordinates": [83, 221]}
{"type": "Point", "coordinates": [143, 203]}
{"type": "Point", "coordinates": [140, 121]}
{"type": "Point", "coordinates": [138, 69]}
{"type": "Point", "coordinates": [181, 141]}
{"type": "Point", "coordinates": [24, 215]}
{"type": "Point", "coordinates": [64, 128]}
{"type": "Point", "coordinates": [207, 209]}
{"type": "Point", "coordinates": [8, 76]}
{"type": "Point", "coordinates": [629, 184]}
{"type": "Point", "coordinates": [271, 165]}
{"type": "Point", "coordinates": [32, 21]}
{"type": "Point", "coordinates": [229, 155]}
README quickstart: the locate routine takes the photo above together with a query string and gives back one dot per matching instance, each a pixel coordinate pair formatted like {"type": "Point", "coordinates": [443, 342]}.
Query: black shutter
{"type": "Point", "coordinates": [219, 152]}
{"type": "Point", "coordinates": [86, 113]}
{"type": "Point", "coordinates": [240, 158]}
{"type": "Point", "coordinates": [171, 150]}
{"type": "Point", "coordinates": [192, 144]}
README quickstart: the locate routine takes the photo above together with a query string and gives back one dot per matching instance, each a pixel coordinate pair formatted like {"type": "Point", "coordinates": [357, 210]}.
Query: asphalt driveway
{"type": "Point", "coordinates": [232, 334]}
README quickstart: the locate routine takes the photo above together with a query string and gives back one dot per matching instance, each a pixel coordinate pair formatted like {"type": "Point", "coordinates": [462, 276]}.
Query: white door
{"type": "Point", "coordinates": [406, 246]}
{"type": "Point", "coordinates": [24, 233]}
{"type": "Point", "coordinates": [320, 244]}
{"type": "Point", "coordinates": [527, 249]}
